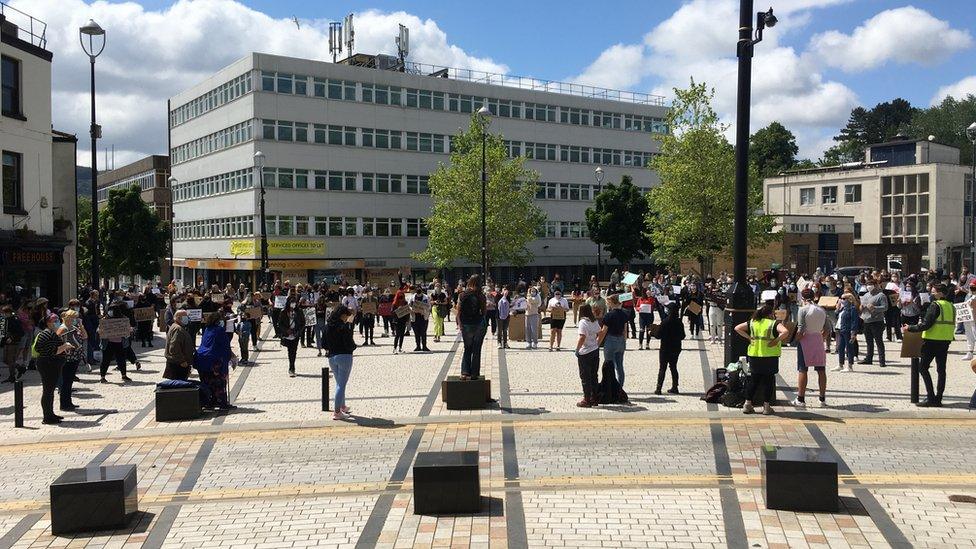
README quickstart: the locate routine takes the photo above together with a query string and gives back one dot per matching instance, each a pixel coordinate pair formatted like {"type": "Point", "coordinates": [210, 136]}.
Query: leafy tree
{"type": "Point", "coordinates": [84, 239]}
{"type": "Point", "coordinates": [692, 210]}
{"type": "Point", "coordinates": [867, 126]}
{"type": "Point", "coordinates": [617, 221]}
{"type": "Point", "coordinates": [948, 121]}
{"type": "Point", "coordinates": [131, 236]}
{"type": "Point", "coordinates": [512, 217]}
{"type": "Point", "coordinates": [773, 149]}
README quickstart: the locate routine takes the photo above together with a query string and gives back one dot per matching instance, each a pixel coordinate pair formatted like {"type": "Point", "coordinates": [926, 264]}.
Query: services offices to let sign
{"type": "Point", "coordinates": [277, 247]}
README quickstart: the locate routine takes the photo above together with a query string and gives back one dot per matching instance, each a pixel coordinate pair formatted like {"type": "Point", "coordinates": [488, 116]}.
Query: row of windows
{"type": "Point", "coordinates": [577, 154]}
{"type": "Point", "coordinates": [145, 180]}
{"type": "Point", "coordinates": [828, 195]}
{"type": "Point", "coordinates": [222, 94]}
{"type": "Point", "coordinates": [298, 225]}
{"type": "Point", "coordinates": [281, 130]}
{"type": "Point", "coordinates": [905, 184]}
{"type": "Point", "coordinates": [225, 227]}
{"type": "Point", "coordinates": [292, 178]}
{"type": "Point", "coordinates": [911, 226]}
{"type": "Point", "coordinates": [564, 229]}
{"type": "Point", "coordinates": [380, 94]}
{"type": "Point", "coordinates": [218, 184]}
{"type": "Point", "coordinates": [219, 140]}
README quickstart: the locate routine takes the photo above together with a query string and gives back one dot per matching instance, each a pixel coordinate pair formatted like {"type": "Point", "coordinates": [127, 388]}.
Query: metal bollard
{"type": "Point", "coordinates": [325, 389]}
{"type": "Point", "coordinates": [915, 376]}
{"type": "Point", "coordinates": [18, 403]}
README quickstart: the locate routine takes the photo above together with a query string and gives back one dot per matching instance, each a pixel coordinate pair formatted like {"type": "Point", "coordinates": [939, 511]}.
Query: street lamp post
{"type": "Point", "coordinates": [172, 231]}
{"type": "Point", "coordinates": [971, 134]}
{"type": "Point", "coordinates": [598, 174]}
{"type": "Point", "coordinates": [483, 114]}
{"type": "Point", "coordinates": [93, 48]}
{"type": "Point", "coordinates": [259, 173]}
{"type": "Point", "coordinates": [742, 302]}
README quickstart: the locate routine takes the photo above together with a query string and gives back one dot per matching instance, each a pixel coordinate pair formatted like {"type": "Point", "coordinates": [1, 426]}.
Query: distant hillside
{"type": "Point", "coordinates": [84, 180]}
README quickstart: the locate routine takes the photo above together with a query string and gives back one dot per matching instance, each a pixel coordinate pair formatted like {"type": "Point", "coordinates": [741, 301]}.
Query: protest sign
{"type": "Point", "coordinates": [695, 308]}
{"type": "Point", "coordinates": [768, 295]}
{"type": "Point", "coordinates": [401, 312]}
{"type": "Point", "coordinates": [629, 278]}
{"type": "Point", "coordinates": [229, 325]}
{"type": "Point", "coordinates": [625, 297]}
{"type": "Point", "coordinates": [828, 302]}
{"type": "Point", "coordinates": [255, 312]}
{"type": "Point", "coordinates": [557, 313]}
{"type": "Point", "coordinates": [143, 314]}
{"type": "Point", "coordinates": [676, 289]}
{"type": "Point", "coordinates": [195, 315]}
{"type": "Point", "coordinates": [114, 328]}
{"type": "Point", "coordinates": [663, 300]}
{"type": "Point", "coordinates": [129, 303]}
{"type": "Point", "coordinates": [646, 308]}
{"type": "Point", "coordinates": [369, 307]}
{"type": "Point", "coordinates": [964, 313]}
{"type": "Point", "coordinates": [280, 301]}
{"type": "Point", "coordinates": [309, 316]}
{"type": "Point", "coordinates": [924, 297]}
{"type": "Point", "coordinates": [906, 296]}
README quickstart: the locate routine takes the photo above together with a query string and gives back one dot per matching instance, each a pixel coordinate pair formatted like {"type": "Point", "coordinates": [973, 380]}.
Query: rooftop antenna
{"type": "Point", "coordinates": [335, 39]}
{"type": "Point", "coordinates": [348, 34]}
{"type": "Point", "coordinates": [403, 44]}
{"type": "Point", "coordinates": [294, 19]}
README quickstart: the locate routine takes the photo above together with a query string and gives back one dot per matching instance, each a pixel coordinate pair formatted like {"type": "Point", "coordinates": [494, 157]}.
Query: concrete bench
{"type": "Point", "coordinates": [446, 483]}
{"type": "Point", "coordinates": [177, 403]}
{"type": "Point", "coordinates": [799, 479]}
{"type": "Point", "coordinates": [93, 498]}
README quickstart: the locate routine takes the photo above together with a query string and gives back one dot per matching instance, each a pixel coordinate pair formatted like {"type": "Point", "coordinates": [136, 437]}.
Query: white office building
{"type": "Point", "coordinates": [348, 151]}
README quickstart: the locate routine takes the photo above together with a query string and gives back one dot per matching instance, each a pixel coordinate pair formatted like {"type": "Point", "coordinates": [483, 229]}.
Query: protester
{"type": "Point", "coordinates": [937, 333]}
{"type": "Point", "coordinates": [591, 336]}
{"type": "Point", "coordinates": [51, 352]}
{"type": "Point", "coordinates": [212, 361]}
{"type": "Point", "coordinates": [848, 326]}
{"type": "Point", "coordinates": [368, 318]}
{"type": "Point", "coordinates": [419, 313]}
{"type": "Point", "coordinates": [690, 294]}
{"type": "Point", "coordinates": [243, 330]}
{"type": "Point", "coordinates": [399, 320]}
{"type": "Point", "coordinates": [765, 336]}
{"type": "Point", "coordinates": [72, 332]}
{"type": "Point", "coordinates": [558, 307]}
{"type": "Point", "coordinates": [179, 348]}
{"type": "Point", "coordinates": [615, 342]}
{"type": "Point", "coordinates": [873, 307]}
{"type": "Point", "coordinates": [671, 332]}
{"type": "Point", "coordinates": [533, 303]}
{"type": "Point", "coordinates": [645, 310]}
{"type": "Point", "coordinates": [504, 315]}
{"type": "Point", "coordinates": [471, 318]}
{"type": "Point", "coordinates": [811, 327]}
{"type": "Point", "coordinates": [291, 323]}
{"type": "Point", "coordinates": [970, 327]}
{"type": "Point", "coordinates": [340, 345]}
{"type": "Point", "coordinates": [112, 348]}
{"type": "Point", "coordinates": [438, 311]}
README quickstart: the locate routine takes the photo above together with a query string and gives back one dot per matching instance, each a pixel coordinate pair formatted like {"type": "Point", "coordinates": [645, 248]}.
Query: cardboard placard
{"type": "Point", "coordinates": [195, 315]}
{"type": "Point", "coordinates": [218, 297]}
{"type": "Point", "coordinates": [893, 299]}
{"type": "Point", "coordinates": [629, 278]}
{"type": "Point", "coordinates": [266, 295]}
{"type": "Point", "coordinates": [695, 308]}
{"type": "Point", "coordinates": [828, 301]}
{"type": "Point", "coordinates": [781, 314]}
{"type": "Point", "coordinates": [143, 314]}
{"type": "Point", "coordinates": [255, 312]}
{"type": "Point", "coordinates": [557, 313]}
{"type": "Point", "coordinates": [625, 297]}
{"type": "Point", "coordinates": [114, 328]}
{"type": "Point", "coordinates": [964, 313]}
{"type": "Point", "coordinates": [767, 295]}
{"type": "Point", "coordinates": [418, 307]}
{"type": "Point", "coordinates": [401, 312]}
{"type": "Point", "coordinates": [664, 300]}
{"type": "Point", "coordinates": [280, 301]}
{"type": "Point", "coordinates": [369, 307]}
{"type": "Point", "coordinates": [309, 316]}
{"type": "Point", "coordinates": [911, 345]}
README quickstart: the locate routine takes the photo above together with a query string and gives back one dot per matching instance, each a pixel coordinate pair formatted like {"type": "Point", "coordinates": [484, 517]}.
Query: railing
{"type": "Point", "coordinates": [538, 84]}
{"type": "Point", "coordinates": [29, 28]}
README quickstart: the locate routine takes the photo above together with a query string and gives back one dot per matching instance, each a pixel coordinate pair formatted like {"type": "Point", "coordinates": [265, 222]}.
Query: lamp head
{"type": "Point", "coordinates": [91, 28]}
{"type": "Point", "coordinates": [971, 132]}
{"type": "Point", "coordinates": [259, 159]}
{"type": "Point", "coordinates": [172, 181]}
{"type": "Point", "coordinates": [598, 172]}
{"type": "Point", "coordinates": [483, 111]}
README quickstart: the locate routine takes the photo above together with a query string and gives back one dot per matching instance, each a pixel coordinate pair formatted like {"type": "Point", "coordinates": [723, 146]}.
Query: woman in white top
{"type": "Point", "coordinates": [557, 306]}
{"type": "Point", "coordinates": [591, 334]}
{"type": "Point", "coordinates": [532, 304]}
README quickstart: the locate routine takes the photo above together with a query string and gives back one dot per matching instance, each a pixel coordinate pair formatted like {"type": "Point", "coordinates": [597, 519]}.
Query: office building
{"type": "Point", "coordinates": [349, 148]}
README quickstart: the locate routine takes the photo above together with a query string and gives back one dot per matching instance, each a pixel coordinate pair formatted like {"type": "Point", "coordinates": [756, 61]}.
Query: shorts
{"type": "Point", "coordinates": [557, 324]}
{"type": "Point", "coordinates": [801, 363]}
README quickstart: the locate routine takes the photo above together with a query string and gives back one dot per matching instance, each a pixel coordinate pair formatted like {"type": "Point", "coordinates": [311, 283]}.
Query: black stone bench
{"type": "Point", "coordinates": [799, 479]}
{"type": "Point", "coordinates": [93, 498]}
{"type": "Point", "coordinates": [446, 483]}
{"type": "Point", "coordinates": [473, 394]}
{"type": "Point", "coordinates": [177, 403]}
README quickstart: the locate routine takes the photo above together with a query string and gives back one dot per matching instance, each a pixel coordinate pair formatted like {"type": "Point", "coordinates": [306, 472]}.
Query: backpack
{"type": "Point", "coordinates": [715, 393]}
{"type": "Point", "coordinates": [735, 396]}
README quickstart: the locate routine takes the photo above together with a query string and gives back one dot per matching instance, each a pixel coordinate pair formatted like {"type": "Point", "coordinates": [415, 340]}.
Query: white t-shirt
{"type": "Point", "coordinates": [589, 330]}
{"type": "Point", "coordinates": [558, 302]}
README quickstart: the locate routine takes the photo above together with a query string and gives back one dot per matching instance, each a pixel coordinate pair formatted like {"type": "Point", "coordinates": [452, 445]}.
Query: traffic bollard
{"type": "Point", "coordinates": [915, 376]}
{"type": "Point", "coordinates": [18, 403]}
{"type": "Point", "coordinates": [325, 389]}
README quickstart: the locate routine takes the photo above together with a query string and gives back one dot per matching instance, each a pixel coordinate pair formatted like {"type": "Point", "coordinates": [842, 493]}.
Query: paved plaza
{"type": "Point", "coordinates": [665, 471]}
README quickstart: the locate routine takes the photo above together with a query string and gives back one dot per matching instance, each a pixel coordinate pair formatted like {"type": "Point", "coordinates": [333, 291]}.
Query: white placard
{"type": "Point", "coordinates": [156, 291]}
{"type": "Point", "coordinates": [768, 295]}
{"type": "Point", "coordinates": [964, 313]}
{"type": "Point", "coordinates": [905, 295]}
{"type": "Point", "coordinates": [646, 308]}
{"type": "Point", "coordinates": [892, 286]}
{"type": "Point", "coordinates": [629, 278]}
{"type": "Point", "coordinates": [625, 297]}
{"type": "Point", "coordinates": [924, 297]}
{"type": "Point", "coordinates": [229, 325]}
{"type": "Point", "coordinates": [664, 300]}
{"type": "Point", "coordinates": [195, 315]}
{"type": "Point", "coordinates": [310, 316]}
{"type": "Point", "coordinates": [280, 301]}
{"type": "Point", "coordinates": [676, 289]}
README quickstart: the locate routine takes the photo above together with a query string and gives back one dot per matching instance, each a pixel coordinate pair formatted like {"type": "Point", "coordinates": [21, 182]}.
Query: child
{"type": "Point", "coordinates": [243, 330]}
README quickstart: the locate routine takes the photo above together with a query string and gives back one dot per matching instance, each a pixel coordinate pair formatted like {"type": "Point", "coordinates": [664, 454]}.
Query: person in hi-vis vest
{"type": "Point", "coordinates": [937, 327]}
{"type": "Point", "coordinates": [765, 335]}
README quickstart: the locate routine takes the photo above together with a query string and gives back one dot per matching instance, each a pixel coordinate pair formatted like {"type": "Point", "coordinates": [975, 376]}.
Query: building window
{"type": "Point", "coordinates": [11, 86]}
{"type": "Point", "coordinates": [829, 195]}
{"type": "Point", "coordinates": [13, 184]}
{"type": "Point", "coordinates": [857, 231]}
{"type": "Point", "coordinates": [852, 193]}
{"type": "Point", "coordinates": [807, 196]}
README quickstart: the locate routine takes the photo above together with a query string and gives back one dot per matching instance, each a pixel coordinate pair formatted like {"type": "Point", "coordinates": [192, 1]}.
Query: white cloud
{"type": "Point", "coordinates": [618, 67]}
{"type": "Point", "coordinates": [152, 55]}
{"type": "Point", "coordinates": [902, 35]}
{"type": "Point", "coordinates": [958, 90]}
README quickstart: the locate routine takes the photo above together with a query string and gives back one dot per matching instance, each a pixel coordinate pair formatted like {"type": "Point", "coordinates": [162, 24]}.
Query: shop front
{"type": "Point", "coordinates": [32, 269]}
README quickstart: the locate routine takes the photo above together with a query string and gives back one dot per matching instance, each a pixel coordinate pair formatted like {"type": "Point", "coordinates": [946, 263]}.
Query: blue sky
{"type": "Point", "coordinates": [824, 58]}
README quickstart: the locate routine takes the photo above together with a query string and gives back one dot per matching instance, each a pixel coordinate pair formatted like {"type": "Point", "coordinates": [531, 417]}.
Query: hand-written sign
{"type": "Point", "coordinates": [114, 328]}
{"type": "Point", "coordinates": [143, 314]}
{"type": "Point", "coordinates": [280, 301]}
{"type": "Point", "coordinates": [310, 316]}
{"type": "Point", "coordinates": [195, 315]}
{"type": "Point", "coordinates": [255, 312]}
{"type": "Point", "coordinates": [369, 307]}
{"type": "Point", "coordinates": [964, 313]}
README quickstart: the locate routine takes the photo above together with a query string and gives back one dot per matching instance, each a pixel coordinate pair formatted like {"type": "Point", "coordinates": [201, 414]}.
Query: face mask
{"type": "Point", "coordinates": [57, 324]}
{"type": "Point", "coordinates": [184, 320]}
{"type": "Point", "coordinates": [111, 313]}
{"type": "Point", "coordinates": [77, 322]}
{"type": "Point", "coordinates": [76, 309]}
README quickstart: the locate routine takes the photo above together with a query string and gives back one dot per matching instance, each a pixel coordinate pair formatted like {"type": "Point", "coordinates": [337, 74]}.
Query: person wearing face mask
{"type": "Point", "coordinates": [340, 344]}
{"type": "Point", "coordinates": [557, 306]}
{"type": "Point", "coordinates": [811, 327]}
{"type": "Point", "coordinates": [51, 351]}
{"type": "Point", "coordinates": [212, 361]}
{"type": "Point", "coordinates": [291, 322]}
{"type": "Point", "coordinates": [419, 313]}
{"type": "Point", "coordinates": [504, 310]}
{"type": "Point", "coordinates": [937, 333]}
{"type": "Point", "coordinates": [597, 303]}
{"type": "Point", "coordinates": [438, 311]}
{"type": "Point", "coordinates": [847, 326]}
{"type": "Point", "coordinates": [113, 348]}
{"type": "Point", "coordinates": [873, 307]}
{"type": "Point", "coordinates": [532, 305]}
{"type": "Point", "coordinates": [72, 332]}
{"type": "Point", "coordinates": [970, 327]}
{"type": "Point", "coordinates": [179, 348]}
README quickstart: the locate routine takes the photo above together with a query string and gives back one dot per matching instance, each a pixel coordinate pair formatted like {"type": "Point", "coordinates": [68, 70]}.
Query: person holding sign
{"type": "Point", "coordinates": [399, 319]}
{"type": "Point", "coordinates": [368, 310]}
{"type": "Point", "coordinates": [693, 304]}
{"type": "Point", "coordinates": [439, 309]}
{"type": "Point", "coordinates": [291, 323]}
{"type": "Point", "coordinates": [645, 312]}
{"type": "Point", "coordinates": [112, 329]}
{"type": "Point", "coordinates": [937, 327]}
{"type": "Point", "coordinates": [419, 313]}
{"type": "Point", "coordinates": [766, 336]}
{"type": "Point", "coordinates": [50, 351]}
{"type": "Point", "coordinates": [179, 348]}
{"type": "Point", "coordinates": [671, 333]}
{"type": "Point", "coordinates": [558, 306]}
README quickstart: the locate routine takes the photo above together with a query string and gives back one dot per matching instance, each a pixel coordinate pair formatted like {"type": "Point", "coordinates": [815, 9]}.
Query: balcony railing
{"type": "Point", "coordinates": [29, 28]}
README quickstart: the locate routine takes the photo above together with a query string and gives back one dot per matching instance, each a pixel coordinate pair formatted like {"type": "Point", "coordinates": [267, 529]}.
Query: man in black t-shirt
{"type": "Point", "coordinates": [471, 317]}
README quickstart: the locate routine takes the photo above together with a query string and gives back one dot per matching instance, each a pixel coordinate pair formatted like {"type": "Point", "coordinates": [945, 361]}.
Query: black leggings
{"type": "Point", "coordinates": [50, 369]}
{"type": "Point", "coordinates": [399, 327]}
{"type": "Point", "coordinates": [768, 384]}
{"type": "Point", "coordinates": [934, 350]}
{"type": "Point", "coordinates": [292, 346]}
{"type": "Point", "coordinates": [588, 366]}
{"type": "Point", "coordinates": [368, 324]}
{"type": "Point", "coordinates": [669, 360]}
{"type": "Point", "coordinates": [502, 332]}
{"type": "Point", "coordinates": [420, 332]}
{"type": "Point", "coordinates": [112, 350]}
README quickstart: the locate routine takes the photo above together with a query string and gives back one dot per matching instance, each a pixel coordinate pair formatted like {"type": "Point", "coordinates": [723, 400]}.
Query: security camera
{"type": "Point", "coordinates": [771, 19]}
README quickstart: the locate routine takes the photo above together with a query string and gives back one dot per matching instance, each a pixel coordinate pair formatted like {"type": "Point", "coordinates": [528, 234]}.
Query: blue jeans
{"type": "Point", "coordinates": [845, 348]}
{"type": "Point", "coordinates": [341, 367]}
{"type": "Point", "coordinates": [613, 351]}
{"type": "Point", "coordinates": [473, 336]}
{"type": "Point", "coordinates": [320, 333]}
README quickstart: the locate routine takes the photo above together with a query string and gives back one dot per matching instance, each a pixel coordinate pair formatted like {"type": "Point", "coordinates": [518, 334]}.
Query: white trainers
{"type": "Point", "coordinates": [339, 414]}
{"type": "Point", "coordinates": [747, 408]}
{"type": "Point", "coordinates": [838, 369]}
{"type": "Point", "coordinates": [850, 368]}
{"type": "Point", "coordinates": [796, 402]}
{"type": "Point", "coordinates": [767, 409]}
{"type": "Point", "coordinates": [822, 403]}
{"type": "Point", "coordinates": [969, 356]}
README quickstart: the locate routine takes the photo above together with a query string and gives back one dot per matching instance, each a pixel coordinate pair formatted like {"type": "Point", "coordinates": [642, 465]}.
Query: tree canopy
{"type": "Point", "coordinates": [867, 126]}
{"type": "Point", "coordinates": [948, 121]}
{"type": "Point", "coordinates": [618, 221]}
{"type": "Point", "coordinates": [454, 224]}
{"type": "Point", "coordinates": [773, 149]}
{"type": "Point", "coordinates": [131, 237]}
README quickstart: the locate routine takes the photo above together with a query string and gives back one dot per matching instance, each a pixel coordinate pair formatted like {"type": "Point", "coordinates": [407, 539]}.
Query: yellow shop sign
{"type": "Point", "coordinates": [277, 247]}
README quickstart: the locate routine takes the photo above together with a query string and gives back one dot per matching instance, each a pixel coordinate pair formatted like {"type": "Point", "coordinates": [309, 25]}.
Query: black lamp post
{"type": "Point", "coordinates": [971, 134]}
{"type": "Point", "coordinates": [598, 174]}
{"type": "Point", "coordinates": [172, 230]}
{"type": "Point", "coordinates": [483, 114]}
{"type": "Point", "coordinates": [742, 301]}
{"type": "Point", "coordinates": [265, 270]}
{"type": "Point", "coordinates": [93, 48]}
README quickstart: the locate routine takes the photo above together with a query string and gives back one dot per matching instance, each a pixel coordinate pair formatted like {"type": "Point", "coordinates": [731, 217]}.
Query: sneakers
{"type": "Point", "coordinates": [796, 403]}
{"type": "Point", "coordinates": [291, 373]}
{"type": "Point", "coordinates": [822, 403]}
{"type": "Point", "coordinates": [850, 368]}
{"type": "Point", "coordinates": [969, 356]}
{"type": "Point", "coordinates": [339, 414]}
{"type": "Point", "coordinates": [345, 409]}
{"type": "Point", "coordinates": [767, 409]}
{"type": "Point", "coordinates": [838, 369]}
{"type": "Point", "coordinates": [747, 408]}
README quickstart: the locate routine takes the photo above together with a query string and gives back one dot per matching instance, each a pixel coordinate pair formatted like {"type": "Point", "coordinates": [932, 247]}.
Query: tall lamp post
{"type": "Point", "coordinates": [598, 174]}
{"type": "Point", "coordinates": [741, 299]}
{"type": "Point", "coordinates": [483, 116]}
{"type": "Point", "coordinates": [172, 231]}
{"type": "Point", "coordinates": [93, 48]}
{"type": "Point", "coordinates": [259, 173]}
{"type": "Point", "coordinates": [971, 134]}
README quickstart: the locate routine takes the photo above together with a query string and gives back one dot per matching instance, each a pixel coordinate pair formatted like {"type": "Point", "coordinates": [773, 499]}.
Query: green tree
{"type": "Point", "coordinates": [131, 236]}
{"type": "Point", "coordinates": [617, 221]}
{"type": "Point", "coordinates": [773, 149]}
{"type": "Point", "coordinates": [948, 121]}
{"type": "Point", "coordinates": [84, 239]}
{"type": "Point", "coordinates": [512, 217]}
{"type": "Point", "coordinates": [692, 210]}
{"type": "Point", "coordinates": [867, 126]}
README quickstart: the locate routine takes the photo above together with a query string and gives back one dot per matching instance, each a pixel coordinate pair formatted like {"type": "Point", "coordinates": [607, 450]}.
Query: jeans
{"type": "Point", "coordinates": [320, 333]}
{"type": "Point", "coordinates": [399, 327]}
{"type": "Point", "coordinates": [874, 335]}
{"type": "Point", "coordinates": [341, 366]}
{"type": "Point", "coordinates": [502, 333]}
{"type": "Point", "coordinates": [938, 350]}
{"type": "Point", "coordinates": [420, 332]}
{"type": "Point", "coordinates": [368, 324]}
{"type": "Point", "coordinates": [588, 366]}
{"type": "Point", "coordinates": [695, 323]}
{"type": "Point", "coordinates": [50, 369]}
{"type": "Point", "coordinates": [472, 336]}
{"type": "Point", "coordinates": [845, 347]}
{"type": "Point", "coordinates": [613, 351]}
{"type": "Point", "coordinates": [65, 383]}
{"type": "Point", "coordinates": [492, 319]}
{"type": "Point", "coordinates": [255, 327]}
{"type": "Point", "coordinates": [292, 346]}
{"type": "Point", "coordinates": [668, 359]}
{"type": "Point", "coordinates": [531, 330]}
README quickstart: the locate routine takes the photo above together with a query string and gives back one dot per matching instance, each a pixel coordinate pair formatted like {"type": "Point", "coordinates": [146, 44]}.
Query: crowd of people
{"type": "Point", "coordinates": [819, 314]}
